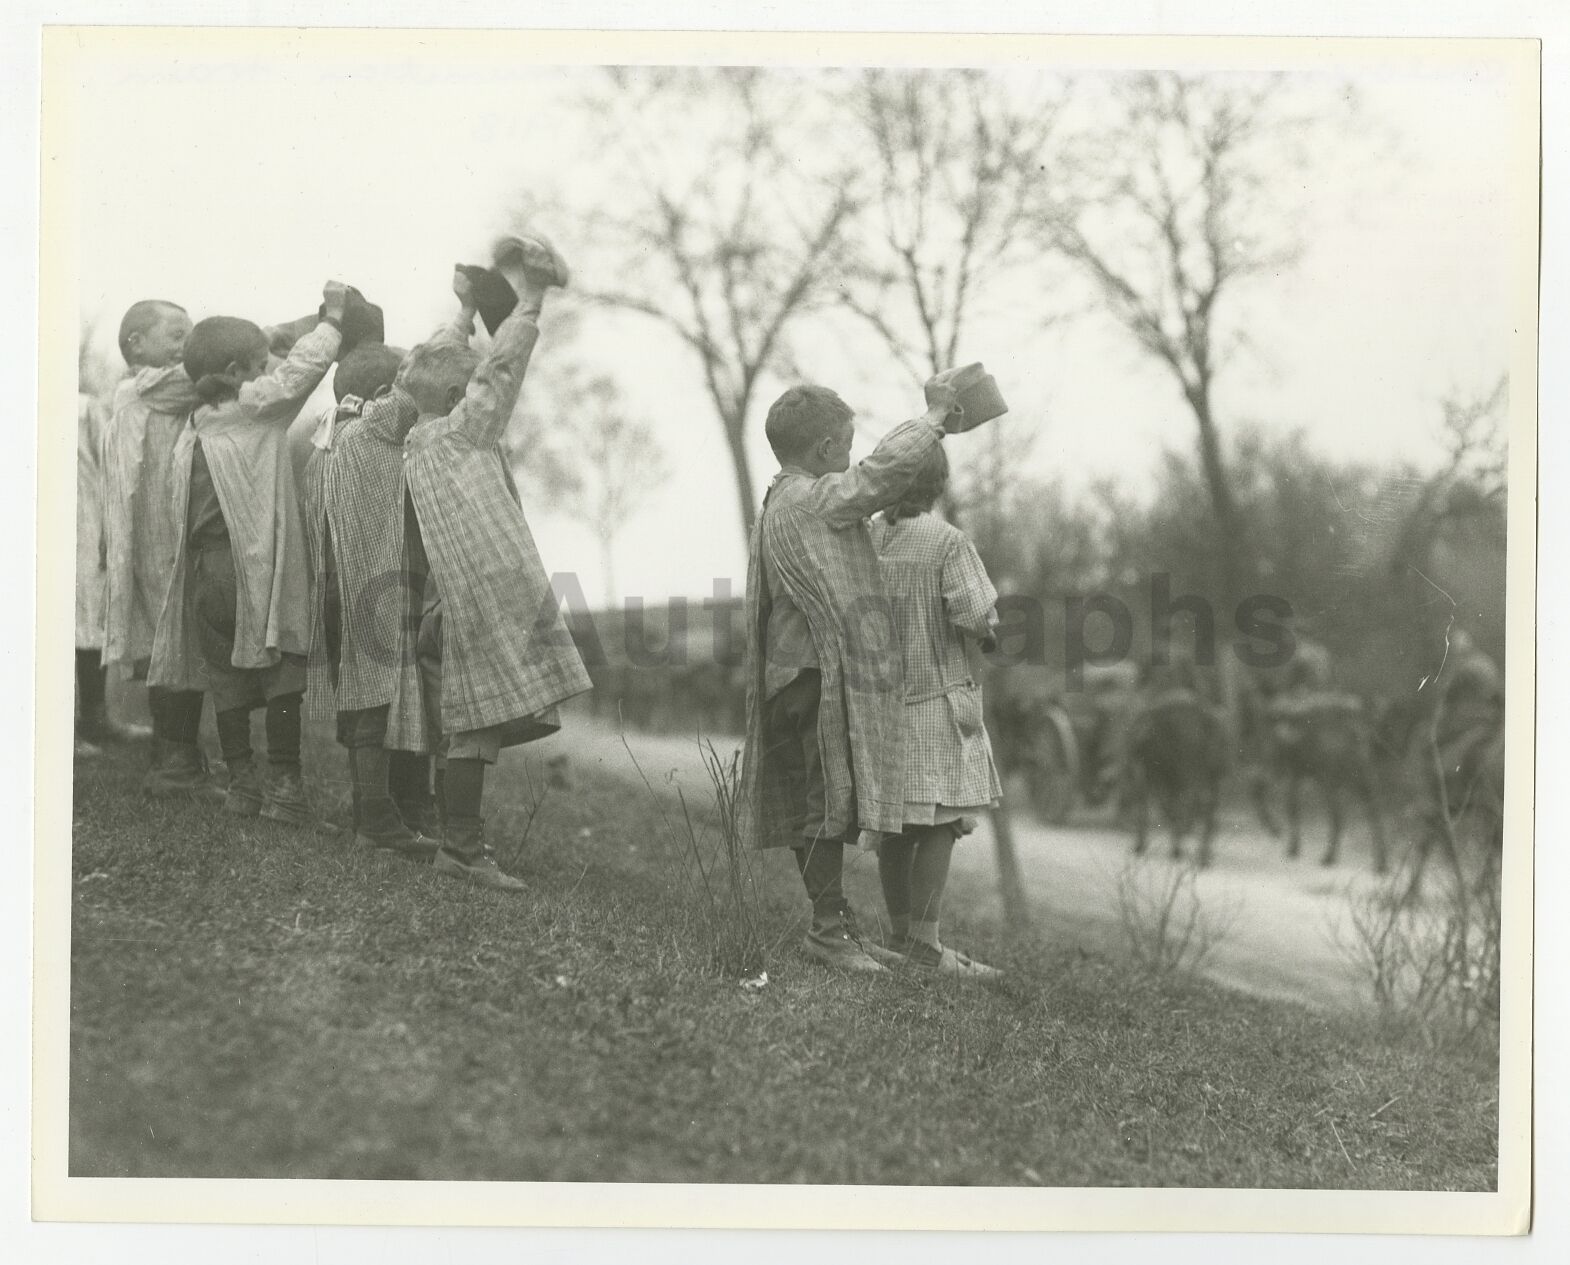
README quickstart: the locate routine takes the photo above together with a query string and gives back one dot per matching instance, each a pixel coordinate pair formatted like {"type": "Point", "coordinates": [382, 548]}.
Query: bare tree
{"type": "Point", "coordinates": [620, 464]}
{"type": "Point", "coordinates": [957, 158]}
{"type": "Point", "coordinates": [727, 239]}
{"type": "Point", "coordinates": [1177, 204]}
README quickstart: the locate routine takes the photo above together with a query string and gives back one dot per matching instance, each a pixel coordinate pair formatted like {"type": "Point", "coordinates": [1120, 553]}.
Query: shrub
{"type": "Point", "coordinates": [1165, 923]}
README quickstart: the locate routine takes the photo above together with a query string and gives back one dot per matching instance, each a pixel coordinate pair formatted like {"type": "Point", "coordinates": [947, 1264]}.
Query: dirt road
{"type": "Point", "coordinates": [1283, 917]}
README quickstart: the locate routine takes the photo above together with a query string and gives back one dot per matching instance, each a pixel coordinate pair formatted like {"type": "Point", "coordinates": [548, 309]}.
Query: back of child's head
{"type": "Point", "coordinates": [932, 480]}
{"type": "Point", "coordinates": [436, 374]}
{"type": "Point", "coordinates": [214, 345]}
{"type": "Point", "coordinates": [801, 417]}
{"type": "Point", "coordinates": [366, 371]}
{"type": "Point", "coordinates": [142, 319]}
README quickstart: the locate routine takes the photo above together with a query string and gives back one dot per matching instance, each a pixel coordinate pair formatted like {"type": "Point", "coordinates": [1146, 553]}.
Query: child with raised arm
{"type": "Point", "coordinates": [498, 653]}
{"type": "Point", "coordinates": [362, 662]}
{"type": "Point", "coordinates": [824, 757]}
{"type": "Point", "coordinates": [942, 597]}
{"type": "Point", "coordinates": [238, 608]}
{"type": "Point", "coordinates": [141, 528]}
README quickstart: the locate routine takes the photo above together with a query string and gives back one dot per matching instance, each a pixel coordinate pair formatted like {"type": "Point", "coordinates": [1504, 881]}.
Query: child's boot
{"type": "Point", "coordinates": [464, 855]}
{"type": "Point", "coordinates": [833, 938]}
{"type": "Point", "coordinates": [377, 823]}
{"type": "Point", "coordinates": [181, 773]}
{"type": "Point", "coordinates": [463, 852]}
{"type": "Point", "coordinates": [409, 782]}
{"type": "Point", "coordinates": [244, 796]}
{"type": "Point", "coordinates": [285, 800]}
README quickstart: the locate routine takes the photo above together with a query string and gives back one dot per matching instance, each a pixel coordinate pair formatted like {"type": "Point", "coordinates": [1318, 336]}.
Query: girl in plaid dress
{"type": "Point", "coordinates": [941, 597]}
{"type": "Point", "coordinates": [496, 657]}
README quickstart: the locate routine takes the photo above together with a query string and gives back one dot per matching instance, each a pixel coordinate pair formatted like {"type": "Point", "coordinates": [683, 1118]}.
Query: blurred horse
{"type": "Point", "coordinates": [1446, 743]}
{"type": "Point", "coordinates": [1176, 753]}
{"type": "Point", "coordinates": [1326, 739]}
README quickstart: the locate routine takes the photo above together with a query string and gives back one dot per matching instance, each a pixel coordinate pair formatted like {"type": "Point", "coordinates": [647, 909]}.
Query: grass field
{"type": "Point", "coordinates": [252, 1001]}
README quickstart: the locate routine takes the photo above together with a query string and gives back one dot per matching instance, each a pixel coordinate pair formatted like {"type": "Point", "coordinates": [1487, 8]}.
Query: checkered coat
{"type": "Point", "coordinates": [246, 443]}
{"type": "Point", "coordinates": [353, 496]}
{"type": "Point", "coordinates": [815, 533]}
{"type": "Point", "coordinates": [507, 657]}
{"type": "Point", "coordinates": [941, 594]}
{"type": "Point", "coordinates": [89, 523]}
{"type": "Point", "coordinates": [141, 524]}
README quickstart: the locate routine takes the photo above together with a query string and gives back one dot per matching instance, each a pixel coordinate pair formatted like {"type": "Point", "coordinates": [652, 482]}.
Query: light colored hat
{"type": "Point", "coordinates": [539, 259]}
{"type": "Point", "coordinates": [979, 398]}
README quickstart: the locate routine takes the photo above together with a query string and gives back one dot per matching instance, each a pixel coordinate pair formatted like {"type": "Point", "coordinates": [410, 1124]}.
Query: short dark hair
{"type": "Point", "coordinates": [141, 317]}
{"type": "Point", "coordinates": [364, 371]}
{"type": "Point", "coordinates": [801, 417]}
{"type": "Point", "coordinates": [931, 481]}
{"type": "Point", "coordinates": [214, 345]}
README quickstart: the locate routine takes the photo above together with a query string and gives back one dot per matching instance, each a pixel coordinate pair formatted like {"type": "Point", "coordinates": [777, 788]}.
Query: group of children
{"type": "Point", "coordinates": [398, 589]}
{"type": "Point", "coordinates": [402, 576]}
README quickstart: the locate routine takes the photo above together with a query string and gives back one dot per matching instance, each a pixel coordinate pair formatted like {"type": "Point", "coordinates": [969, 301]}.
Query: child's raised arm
{"type": "Point", "coordinates": [530, 267]}
{"type": "Point", "coordinates": [278, 395]}
{"type": "Point", "coordinates": [492, 394]}
{"type": "Point", "coordinates": [883, 475]}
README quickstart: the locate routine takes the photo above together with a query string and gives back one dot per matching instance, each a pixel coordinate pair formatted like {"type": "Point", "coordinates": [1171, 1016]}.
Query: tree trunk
{"type": "Point", "coordinates": [608, 558]}
{"type": "Point", "coordinates": [1230, 549]}
{"type": "Point", "coordinates": [1011, 883]}
{"type": "Point", "coordinates": [1229, 523]}
{"type": "Point", "coordinates": [736, 441]}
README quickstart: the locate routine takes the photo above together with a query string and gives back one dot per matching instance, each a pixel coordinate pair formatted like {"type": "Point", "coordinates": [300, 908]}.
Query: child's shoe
{"type": "Point", "coordinates": [378, 826]}
{"type": "Point", "coordinates": [419, 848]}
{"type": "Point", "coordinates": [285, 800]}
{"type": "Point", "coordinates": [482, 871]}
{"type": "Point", "coordinates": [868, 944]}
{"type": "Point", "coordinates": [180, 772]}
{"type": "Point", "coordinates": [244, 796]}
{"type": "Point", "coordinates": [463, 855]}
{"type": "Point", "coordinates": [96, 726]}
{"type": "Point", "coordinates": [946, 961]}
{"type": "Point", "coordinates": [833, 946]}
{"type": "Point", "coordinates": [84, 750]}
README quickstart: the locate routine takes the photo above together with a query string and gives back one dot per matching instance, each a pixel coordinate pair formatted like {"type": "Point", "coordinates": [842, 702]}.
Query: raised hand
{"type": "Point", "coordinates": [335, 297]}
{"type": "Point", "coordinates": [941, 397]}
{"type": "Point", "coordinates": [531, 265]}
{"type": "Point", "coordinates": [463, 287]}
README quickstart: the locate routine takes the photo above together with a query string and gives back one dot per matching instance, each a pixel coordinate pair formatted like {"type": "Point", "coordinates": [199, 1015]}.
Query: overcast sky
{"type": "Point", "coordinates": [237, 185]}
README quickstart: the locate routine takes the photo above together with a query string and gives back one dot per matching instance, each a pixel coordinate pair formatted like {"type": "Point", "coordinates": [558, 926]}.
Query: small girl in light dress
{"type": "Point", "coordinates": [942, 600]}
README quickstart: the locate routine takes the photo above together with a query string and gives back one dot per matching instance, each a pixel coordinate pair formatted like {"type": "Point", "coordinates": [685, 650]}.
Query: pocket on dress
{"type": "Point", "coordinates": [965, 703]}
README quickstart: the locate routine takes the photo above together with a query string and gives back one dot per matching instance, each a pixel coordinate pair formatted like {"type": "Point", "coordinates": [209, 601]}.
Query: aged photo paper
{"type": "Point", "coordinates": [1234, 593]}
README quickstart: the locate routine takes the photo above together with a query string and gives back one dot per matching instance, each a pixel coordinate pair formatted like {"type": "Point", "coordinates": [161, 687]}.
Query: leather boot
{"type": "Point", "coordinates": [409, 783]}
{"type": "Point", "coordinates": [464, 856]}
{"type": "Point", "coordinates": [244, 796]}
{"type": "Point", "coordinates": [285, 800]}
{"type": "Point", "coordinates": [377, 823]}
{"type": "Point", "coordinates": [181, 773]}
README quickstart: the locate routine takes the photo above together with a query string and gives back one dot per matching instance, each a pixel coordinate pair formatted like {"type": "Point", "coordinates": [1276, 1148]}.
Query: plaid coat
{"type": "Point", "coordinates": [89, 523]}
{"type": "Point", "coordinates": [940, 591]}
{"type": "Point", "coordinates": [141, 524]}
{"type": "Point", "coordinates": [353, 496]}
{"type": "Point", "coordinates": [814, 531]}
{"type": "Point", "coordinates": [246, 443]}
{"type": "Point", "coordinates": [507, 657]}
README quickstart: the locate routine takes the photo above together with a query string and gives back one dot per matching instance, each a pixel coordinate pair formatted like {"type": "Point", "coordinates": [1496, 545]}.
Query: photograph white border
{"type": "Point", "coordinates": [58, 1195]}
